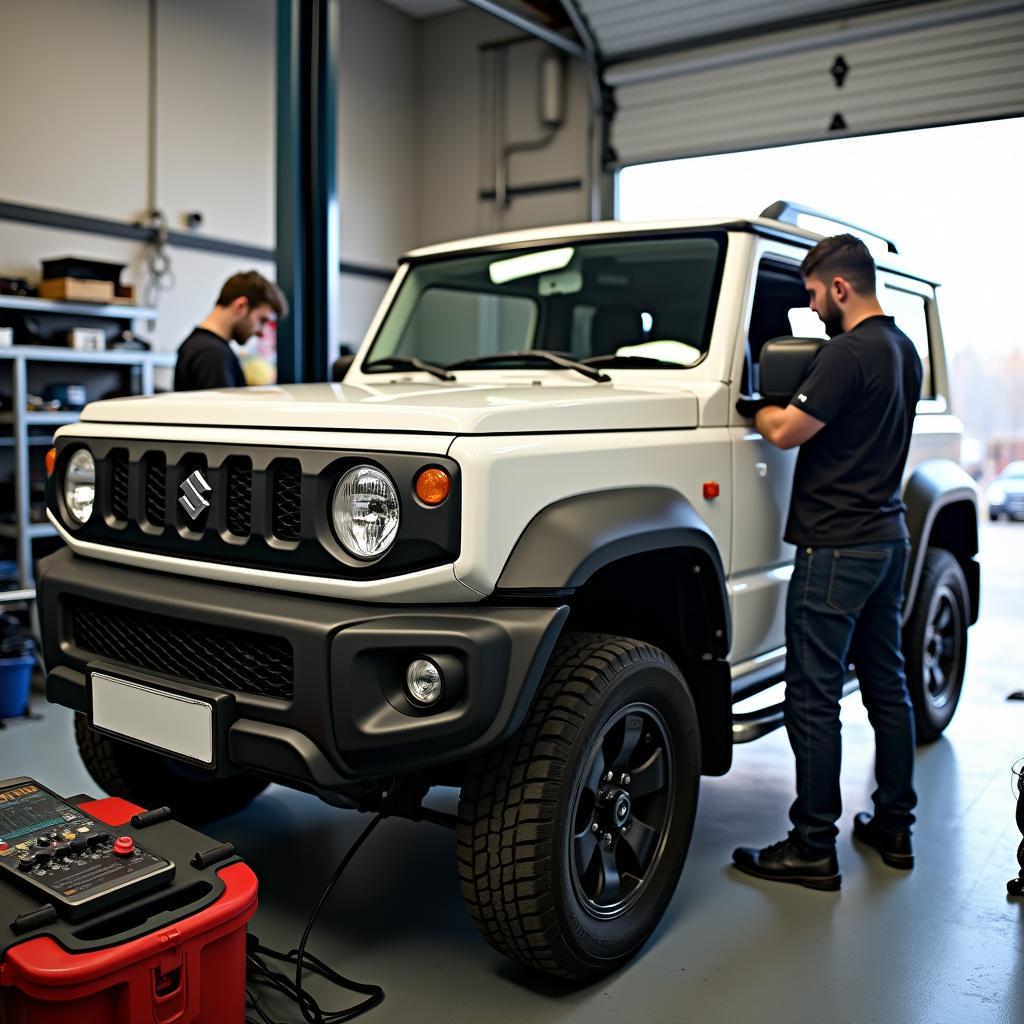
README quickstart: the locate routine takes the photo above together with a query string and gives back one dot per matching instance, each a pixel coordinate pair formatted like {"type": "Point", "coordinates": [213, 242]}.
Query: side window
{"type": "Point", "coordinates": [910, 312]}
{"type": "Point", "coordinates": [779, 309]}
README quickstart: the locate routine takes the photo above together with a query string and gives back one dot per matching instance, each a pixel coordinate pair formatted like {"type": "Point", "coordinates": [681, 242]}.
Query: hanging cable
{"type": "Point", "coordinates": [261, 973]}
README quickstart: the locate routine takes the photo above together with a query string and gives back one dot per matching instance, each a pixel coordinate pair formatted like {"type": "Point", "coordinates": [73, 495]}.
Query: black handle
{"type": "Point", "coordinates": [153, 817]}
{"type": "Point", "coordinates": [46, 914]}
{"type": "Point", "coordinates": [204, 858]}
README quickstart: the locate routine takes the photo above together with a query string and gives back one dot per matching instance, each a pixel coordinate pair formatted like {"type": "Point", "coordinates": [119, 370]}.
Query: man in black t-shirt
{"type": "Point", "coordinates": [246, 304]}
{"type": "Point", "coordinates": [852, 417]}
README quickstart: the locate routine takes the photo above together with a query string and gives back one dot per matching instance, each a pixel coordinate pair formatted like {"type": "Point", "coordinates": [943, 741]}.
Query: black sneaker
{"type": "Point", "coordinates": [788, 862]}
{"type": "Point", "coordinates": [895, 847]}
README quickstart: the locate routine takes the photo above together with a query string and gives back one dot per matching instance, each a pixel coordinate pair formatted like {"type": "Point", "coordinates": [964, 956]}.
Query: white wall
{"type": "Point", "coordinates": [416, 136]}
{"type": "Point", "coordinates": [456, 152]}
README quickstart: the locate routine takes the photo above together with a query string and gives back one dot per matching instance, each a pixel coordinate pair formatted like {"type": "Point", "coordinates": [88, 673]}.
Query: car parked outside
{"type": "Point", "coordinates": [1005, 495]}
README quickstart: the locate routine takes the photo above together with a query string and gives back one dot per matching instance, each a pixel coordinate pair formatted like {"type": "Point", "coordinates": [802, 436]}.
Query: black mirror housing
{"type": "Point", "coordinates": [784, 364]}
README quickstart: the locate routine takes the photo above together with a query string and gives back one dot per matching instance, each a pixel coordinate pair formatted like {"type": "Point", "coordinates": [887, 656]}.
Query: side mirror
{"type": "Point", "coordinates": [784, 364]}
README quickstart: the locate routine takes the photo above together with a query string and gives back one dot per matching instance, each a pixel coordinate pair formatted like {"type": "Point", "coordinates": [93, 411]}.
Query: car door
{"type": "Point", "coordinates": [762, 563]}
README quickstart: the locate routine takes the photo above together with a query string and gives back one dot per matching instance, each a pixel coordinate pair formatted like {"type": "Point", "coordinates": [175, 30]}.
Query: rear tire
{"type": "Point", "coordinates": [935, 643]}
{"type": "Point", "coordinates": [152, 780]}
{"type": "Point", "coordinates": [612, 740]}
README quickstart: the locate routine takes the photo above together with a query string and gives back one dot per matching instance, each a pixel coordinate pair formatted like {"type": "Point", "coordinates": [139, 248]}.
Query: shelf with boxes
{"type": "Point", "coordinates": [70, 344]}
{"type": "Point", "coordinates": [25, 433]}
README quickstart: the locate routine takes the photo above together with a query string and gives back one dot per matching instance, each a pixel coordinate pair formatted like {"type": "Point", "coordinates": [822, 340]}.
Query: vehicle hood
{"type": "Point", "coordinates": [517, 406]}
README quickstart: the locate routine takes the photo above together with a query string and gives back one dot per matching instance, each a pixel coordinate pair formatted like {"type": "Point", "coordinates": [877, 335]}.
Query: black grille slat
{"type": "Point", "coordinates": [287, 500]}
{"type": "Point", "coordinates": [156, 488]}
{"type": "Point", "coordinates": [119, 484]}
{"type": "Point", "coordinates": [231, 659]}
{"type": "Point", "coordinates": [239, 496]}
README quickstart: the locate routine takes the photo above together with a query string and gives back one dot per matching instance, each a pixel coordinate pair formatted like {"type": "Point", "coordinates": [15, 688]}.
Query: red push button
{"type": "Point", "coordinates": [711, 490]}
{"type": "Point", "coordinates": [124, 846]}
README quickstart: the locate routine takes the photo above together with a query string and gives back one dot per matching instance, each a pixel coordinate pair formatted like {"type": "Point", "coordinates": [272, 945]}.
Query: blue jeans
{"type": "Point", "coordinates": [844, 605]}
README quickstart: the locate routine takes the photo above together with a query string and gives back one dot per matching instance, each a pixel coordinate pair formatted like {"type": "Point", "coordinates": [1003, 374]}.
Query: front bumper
{"type": "Point", "coordinates": [344, 718]}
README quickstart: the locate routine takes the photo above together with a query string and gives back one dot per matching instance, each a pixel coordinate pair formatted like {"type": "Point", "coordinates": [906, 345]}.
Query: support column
{"type": "Point", "coordinates": [307, 201]}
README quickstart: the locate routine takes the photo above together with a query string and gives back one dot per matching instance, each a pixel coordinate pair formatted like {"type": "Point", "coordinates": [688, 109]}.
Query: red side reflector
{"type": "Point", "coordinates": [711, 490]}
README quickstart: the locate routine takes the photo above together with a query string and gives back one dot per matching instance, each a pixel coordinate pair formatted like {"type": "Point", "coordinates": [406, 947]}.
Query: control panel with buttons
{"type": "Point", "coordinates": [64, 857]}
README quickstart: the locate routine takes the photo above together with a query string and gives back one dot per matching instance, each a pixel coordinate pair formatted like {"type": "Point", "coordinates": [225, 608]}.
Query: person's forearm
{"type": "Point", "coordinates": [771, 422]}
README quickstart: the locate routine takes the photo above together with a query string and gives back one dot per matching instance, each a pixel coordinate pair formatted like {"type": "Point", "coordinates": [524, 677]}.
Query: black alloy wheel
{"type": "Point", "coordinates": [622, 811]}
{"type": "Point", "coordinates": [572, 834]}
{"type": "Point", "coordinates": [935, 643]}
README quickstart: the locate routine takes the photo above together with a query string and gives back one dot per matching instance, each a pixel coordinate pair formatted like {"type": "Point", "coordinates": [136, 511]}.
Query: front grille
{"type": "Point", "coordinates": [230, 659]}
{"type": "Point", "coordinates": [269, 508]}
{"type": "Point", "coordinates": [119, 484]}
{"type": "Point", "coordinates": [287, 499]}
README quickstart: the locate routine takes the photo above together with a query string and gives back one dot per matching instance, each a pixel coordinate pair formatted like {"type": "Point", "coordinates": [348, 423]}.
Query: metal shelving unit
{"type": "Point", "coordinates": [23, 531]}
{"type": "Point", "coordinates": [107, 310]}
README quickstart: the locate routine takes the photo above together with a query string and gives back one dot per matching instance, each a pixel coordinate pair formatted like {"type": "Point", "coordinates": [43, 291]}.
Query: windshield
{"type": "Point", "coordinates": [607, 301]}
{"type": "Point", "coordinates": [1014, 471]}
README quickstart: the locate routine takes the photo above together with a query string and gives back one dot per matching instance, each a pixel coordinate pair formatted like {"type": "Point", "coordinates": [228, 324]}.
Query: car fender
{"type": "Point", "coordinates": [935, 485]}
{"type": "Point", "coordinates": [568, 541]}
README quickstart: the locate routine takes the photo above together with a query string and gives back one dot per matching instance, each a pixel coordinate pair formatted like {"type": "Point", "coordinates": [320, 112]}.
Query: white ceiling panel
{"type": "Point", "coordinates": [425, 8]}
{"type": "Point", "coordinates": [628, 26]}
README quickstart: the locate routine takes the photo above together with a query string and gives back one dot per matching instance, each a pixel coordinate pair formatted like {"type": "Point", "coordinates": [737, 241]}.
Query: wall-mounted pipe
{"type": "Point", "coordinates": [551, 113]}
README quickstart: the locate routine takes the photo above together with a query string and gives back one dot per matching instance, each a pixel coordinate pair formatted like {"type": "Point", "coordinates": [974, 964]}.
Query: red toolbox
{"type": "Point", "coordinates": [175, 955]}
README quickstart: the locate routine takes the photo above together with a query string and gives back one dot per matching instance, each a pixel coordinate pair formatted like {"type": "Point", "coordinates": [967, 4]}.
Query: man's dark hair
{"type": "Point", "coordinates": [257, 289]}
{"type": "Point", "coordinates": [843, 256]}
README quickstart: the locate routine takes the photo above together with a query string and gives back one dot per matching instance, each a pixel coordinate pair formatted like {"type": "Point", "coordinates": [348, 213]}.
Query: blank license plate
{"type": "Point", "coordinates": [180, 725]}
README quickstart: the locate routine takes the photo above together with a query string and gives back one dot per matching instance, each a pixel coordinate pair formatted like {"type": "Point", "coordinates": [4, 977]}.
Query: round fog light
{"type": "Point", "coordinates": [423, 682]}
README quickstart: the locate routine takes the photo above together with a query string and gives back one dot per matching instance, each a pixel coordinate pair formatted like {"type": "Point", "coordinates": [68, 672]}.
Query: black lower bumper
{"type": "Point", "coordinates": [344, 716]}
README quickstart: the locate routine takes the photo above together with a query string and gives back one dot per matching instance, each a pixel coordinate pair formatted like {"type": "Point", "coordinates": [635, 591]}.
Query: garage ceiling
{"type": "Point", "coordinates": [625, 28]}
{"type": "Point", "coordinates": [426, 8]}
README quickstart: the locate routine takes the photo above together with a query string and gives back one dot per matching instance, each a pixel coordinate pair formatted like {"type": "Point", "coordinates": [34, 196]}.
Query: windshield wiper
{"type": "Point", "coordinates": [638, 361]}
{"type": "Point", "coordinates": [537, 355]}
{"type": "Point", "coordinates": [408, 363]}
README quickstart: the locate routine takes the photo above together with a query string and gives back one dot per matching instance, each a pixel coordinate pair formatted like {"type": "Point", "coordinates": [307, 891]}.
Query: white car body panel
{"type": "Point", "coordinates": [481, 403]}
{"type": "Point", "coordinates": [509, 480]}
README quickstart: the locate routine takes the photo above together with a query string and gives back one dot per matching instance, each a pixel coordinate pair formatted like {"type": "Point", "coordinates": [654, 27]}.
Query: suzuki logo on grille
{"type": "Point", "coordinates": [193, 492]}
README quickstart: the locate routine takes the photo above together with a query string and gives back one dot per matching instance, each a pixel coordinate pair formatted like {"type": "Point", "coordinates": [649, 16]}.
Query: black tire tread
{"type": "Point", "coordinates": [508, 801]}
{"type": "Point", "coordinates": [142, 777]}
{"type": "Point", "coordinates": [937, 562]}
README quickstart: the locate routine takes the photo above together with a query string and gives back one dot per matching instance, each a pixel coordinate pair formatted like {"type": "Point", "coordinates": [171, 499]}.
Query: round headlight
{"type": "Point", "coordinates": [365, 512]}
{"type": "Point", "coordinates": [80, 485]}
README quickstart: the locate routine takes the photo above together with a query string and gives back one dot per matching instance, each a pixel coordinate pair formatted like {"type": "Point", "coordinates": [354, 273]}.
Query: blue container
{"type": "Point", "coordinates": [15, 679]}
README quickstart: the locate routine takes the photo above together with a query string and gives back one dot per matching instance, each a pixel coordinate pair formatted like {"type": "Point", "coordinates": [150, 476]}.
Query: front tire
{"type": "Point", "coordinates": [935, 643]}
{"type": "Point", "coordinates": [151, 780]}
{"type": "Point", "coordinates": [573, 833]}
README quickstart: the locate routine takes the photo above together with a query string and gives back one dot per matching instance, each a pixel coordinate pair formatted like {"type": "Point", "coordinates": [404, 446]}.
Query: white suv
{"type": "Point", "coordinates": [528, 548]}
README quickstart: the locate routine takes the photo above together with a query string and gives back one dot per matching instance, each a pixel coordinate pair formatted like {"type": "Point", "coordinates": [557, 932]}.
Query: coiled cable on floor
{"type": "Point", "coordinates": [261, 973]}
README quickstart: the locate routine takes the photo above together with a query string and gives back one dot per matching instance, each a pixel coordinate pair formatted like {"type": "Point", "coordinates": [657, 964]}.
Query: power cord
{"type": "Point", "coordinates": [261, 973]}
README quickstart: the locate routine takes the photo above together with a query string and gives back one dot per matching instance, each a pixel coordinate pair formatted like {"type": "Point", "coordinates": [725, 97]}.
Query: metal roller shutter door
{"type": "Point", "coordinates": [944, 63]}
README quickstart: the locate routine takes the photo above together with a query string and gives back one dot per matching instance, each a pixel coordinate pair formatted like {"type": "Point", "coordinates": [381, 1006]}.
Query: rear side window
{"type": "Point", "coordinates": [910, 311]}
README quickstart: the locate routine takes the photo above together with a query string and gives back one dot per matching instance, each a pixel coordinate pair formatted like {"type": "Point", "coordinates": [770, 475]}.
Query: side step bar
{"type": "Point", "coordinates": [752, 725]}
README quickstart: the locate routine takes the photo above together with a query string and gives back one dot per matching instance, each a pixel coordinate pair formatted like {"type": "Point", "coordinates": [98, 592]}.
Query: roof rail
{"type": "Point", "coordinates": [787, 212]}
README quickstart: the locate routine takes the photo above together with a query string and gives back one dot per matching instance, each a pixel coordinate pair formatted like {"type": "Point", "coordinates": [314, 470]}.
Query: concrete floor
{"type": "Point", "coordinates": [940, 945]}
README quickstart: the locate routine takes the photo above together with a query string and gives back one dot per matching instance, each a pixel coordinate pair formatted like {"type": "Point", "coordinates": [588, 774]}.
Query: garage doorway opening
{"type": "Point", "coordinates": [951, 200]}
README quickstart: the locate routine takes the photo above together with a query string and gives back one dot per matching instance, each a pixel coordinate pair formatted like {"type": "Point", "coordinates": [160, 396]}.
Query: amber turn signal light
{"type": "Point", "coordinates": [433, 486]}
{"type": "Point", "coordinates": [51, 461]}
